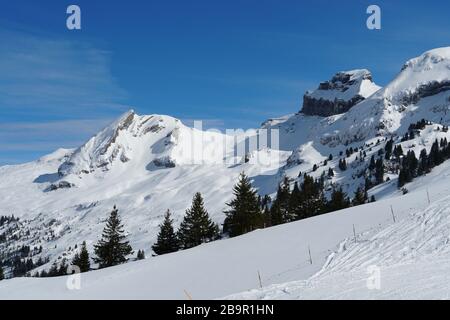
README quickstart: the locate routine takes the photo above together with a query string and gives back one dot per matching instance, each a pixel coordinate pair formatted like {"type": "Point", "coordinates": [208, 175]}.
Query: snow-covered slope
{"type": "Point", "coordinates": [412, 254]}
{"type": "Point", "coordinates": [280, 254]}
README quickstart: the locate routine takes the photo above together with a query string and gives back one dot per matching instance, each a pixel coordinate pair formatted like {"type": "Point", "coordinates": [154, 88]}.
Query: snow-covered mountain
{"type": "Point", "coordinates": [148, 164]}
{"type": "Point", "coordinates": [338, 95]}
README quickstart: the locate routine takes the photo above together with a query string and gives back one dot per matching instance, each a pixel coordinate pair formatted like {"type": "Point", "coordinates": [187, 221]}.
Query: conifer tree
{"type": "Point", "coordinates": [343, 164]}
{"type": "Point", "coordinates": [295, 201]}
{"type": "Point", "coordinates": [113, 248]}
{"type": "Point", "coordinates": [409, 169]}
{"type": "Point", "coordinates": [339, 200]}
{"type": "Point", "coordinates": [402, 178]}
{"type": "Point", "coordinates": [308, 200]}
{"type": "Point", "coordinates": [81, 259]}
{"type": "Point", "coordinates": [62, 270]}
{"type": "Point", "coordinates": [330, 173]}
{"type": "Point", "coordinates": [280, 209]}
{"type": "Point", "coordinates": [266, 217]}
{"type": "Point", "coordinates": [2, 275]}
{"type": "Point", "coordinates": [388, 149]}
{"type": "Point", "coordinates": [140, 255]}
{"type": "Point", "coordinates": [398, 151]}
{"type": "Point", "coordinates": [360, 197]}
{"type": "Point", "coordinates": [379, 171]}
{"type": "Point", "coordinates": [197, 227]}
{"type": "Point", "coordinates": [53, 272]}
{"type": "Point", "coordinates": [372, 163]}
{"type": "Point", "coordinates": [276, 216]}
{"type": "Point", "coordinates": [167, 240]}
{"type": "Point", "coordinates": [244, 213]}
{"type": "Point", "coordinates": [435, 156]}
{"type": "Point", "coordinates": [423, 163]}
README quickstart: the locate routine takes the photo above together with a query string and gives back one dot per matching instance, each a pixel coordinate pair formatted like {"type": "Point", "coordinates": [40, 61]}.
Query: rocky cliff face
{"type": "Point", "coordinates": [340, 94]}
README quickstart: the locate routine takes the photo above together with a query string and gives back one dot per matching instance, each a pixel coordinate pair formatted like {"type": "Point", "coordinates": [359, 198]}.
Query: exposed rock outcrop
{"type": "Point", "coordinates": [338, 95]}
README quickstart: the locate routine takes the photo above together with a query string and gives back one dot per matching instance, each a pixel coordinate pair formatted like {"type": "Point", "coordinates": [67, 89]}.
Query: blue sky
{"type": "Point", "coordinates": [230, 63]}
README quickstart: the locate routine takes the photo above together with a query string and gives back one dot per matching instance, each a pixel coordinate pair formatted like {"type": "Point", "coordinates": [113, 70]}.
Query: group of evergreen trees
{"type": "Point", "coordinates": [376, 168]}
{"type": "Point", "coordinates": [305, 200]}
{"type": "Point", "coordinates": [7, 219]}
{"type": "Point", "coordinates": [411, 167]}
{"type": "Point", "coordinates": [248, 212]}
{"type": "Point", "coordinates": [195, 229]}
{"type": "Point", "coordinates": [342, 164]}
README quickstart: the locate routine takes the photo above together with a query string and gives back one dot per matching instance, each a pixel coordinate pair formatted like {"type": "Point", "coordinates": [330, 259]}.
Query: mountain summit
{"type": "Point", "coordinates": [339, 94]}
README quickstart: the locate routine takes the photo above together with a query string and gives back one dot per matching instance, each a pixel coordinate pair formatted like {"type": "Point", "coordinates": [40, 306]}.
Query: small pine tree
{"type": "Point", "coordinates": [308, 200]}
{"type": "Point", "coordinates": [53, 272]}
{"type": "Point", "coordinates": [140, 255]}
{"type": "Point", "coordinates": [2, 275]}
{"type": "Point", "coordinates": [330, 173]}
{"type": "Point", "coordinates": [244, 213]}
{"type": "Point", "coordinates": [398, 151]}
{"type": "Point", "coordinates": [360, 197]}
{"type": "Point", "coordinates": [343, 164]}
{"type": "Point", "coordinates": [167, 240]}
{"type": "Point", "coordinates": [267, 218]}
{"type": "Point", "coordinates": [423, 163]}
{"type": "Point", "coordinates": [339, 201]}
{"type": "Point", "coordinates": [113, 248]}
{"type": "Point", "coordinates": [295, 201]}
{"type": "Point", "coordinates": [388, 149]}
{"type": "Point", "coordinates": [379, 171]}
{"type": "Point", "coordinates": [280, 210]}
{"type": "Point", "coordinates": [62, 270]}
{"type": "Point", "coordinates": [197, 227]}
{"type": "Point", "coordinates": [372, 163]}
{"type": "Point", "coordinates": [81, 259]}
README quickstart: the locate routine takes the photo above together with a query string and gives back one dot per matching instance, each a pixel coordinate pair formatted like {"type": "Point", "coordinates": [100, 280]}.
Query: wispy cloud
{"type": "Point", "coordinates": [42, 74]}
{"type": "Point", "coordinates": [53, 93]}
{"type": "Point", "coordinates": [47, 136]}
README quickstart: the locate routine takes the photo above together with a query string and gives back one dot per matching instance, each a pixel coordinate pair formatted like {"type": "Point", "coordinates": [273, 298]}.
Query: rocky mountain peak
{"type": "Point", "coordinates": [338, 95]}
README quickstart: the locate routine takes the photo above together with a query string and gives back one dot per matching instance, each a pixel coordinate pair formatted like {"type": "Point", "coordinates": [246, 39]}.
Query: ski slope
{"type": "Point", "coordinates": [412, 254]}
{"type": "Point", "coordinates": [280, 254]}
